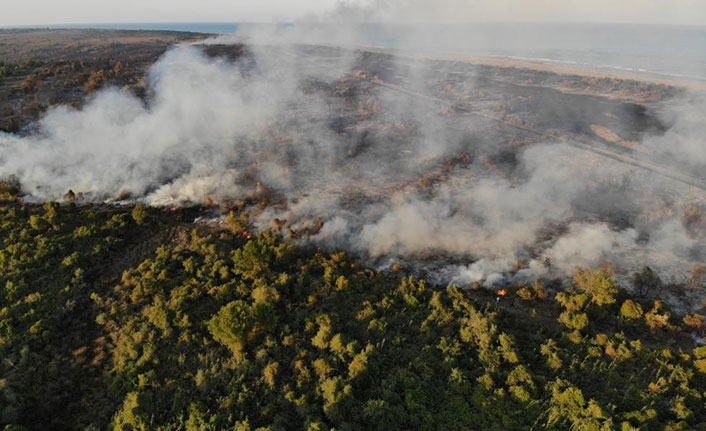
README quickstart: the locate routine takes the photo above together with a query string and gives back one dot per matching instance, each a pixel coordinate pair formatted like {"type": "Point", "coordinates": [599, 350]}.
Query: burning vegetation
{"type": "Point", "coordinates": [452, 170]}
{"type": "Point", "coordinates": [306, 237]}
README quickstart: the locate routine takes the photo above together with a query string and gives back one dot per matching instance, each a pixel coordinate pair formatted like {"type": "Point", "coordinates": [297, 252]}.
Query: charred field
{"type": "Point", "coordinates": [455, 170]}
{"type": "Point", "coordinates": [40, 68]}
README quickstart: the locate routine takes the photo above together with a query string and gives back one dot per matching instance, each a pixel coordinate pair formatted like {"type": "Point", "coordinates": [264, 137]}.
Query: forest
{"type": "Point", "coordinates": [135, 318]}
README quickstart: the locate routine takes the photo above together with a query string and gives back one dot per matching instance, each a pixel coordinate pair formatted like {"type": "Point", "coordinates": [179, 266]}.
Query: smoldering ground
{"type": "Point", "coordinates": [385, 157]}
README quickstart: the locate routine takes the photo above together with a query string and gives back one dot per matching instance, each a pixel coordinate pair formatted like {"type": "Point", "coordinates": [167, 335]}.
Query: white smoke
{"type": "Point", "coordinates": [213, 130]}
{"type": "Point", "coordinates": [116, 145]}
{"type": "Point", "coordinates": [684, 141]}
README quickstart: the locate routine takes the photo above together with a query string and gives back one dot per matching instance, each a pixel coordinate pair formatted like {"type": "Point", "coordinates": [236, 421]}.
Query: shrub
{"type": "Point", "coordinates": [9, 191]}
{"type": "Point", "coordinates": [139, 214]}
{"type": "Point", "coordinates": [264, 295]}
{"type": "Point", "coordinates": [237, 223]}
{"type": "Point", "coordinates": [37, 223]}
{"type": "Point", "coordinates": [270, 373]}
{"type": "Point", "coordinates": [539, 291]}
{"type": "Point", "coordinates": [30, 84]}
{"type": "Point", "coordinates": [134, 413]}
{"type": "Point", "coordinates": [631, 310]}
{"type": "Point", "coordinates": [598, 284]}
{"type": "Point", "coordinates": [231, 325]}
{"type": "Point", "coordinates": [694, 321]}
{"type": "Point", "coordinates": [657, 318]}
{"type": "Point", "coordinates": [576, 321]}
{"type": "Point", "coordinates": [525, 293]}
{"type": "Point", "coordinates": [359, 364]}
{"type": "Point", "coordinates": [95, 81]}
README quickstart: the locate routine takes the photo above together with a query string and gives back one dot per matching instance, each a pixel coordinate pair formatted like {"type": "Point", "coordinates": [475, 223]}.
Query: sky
{"type": "Point", "coordinates": [35, 12]}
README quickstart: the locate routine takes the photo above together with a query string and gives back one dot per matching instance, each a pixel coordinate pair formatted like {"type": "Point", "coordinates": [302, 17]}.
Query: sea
{"type": "Point", "coordinates": [676, 52]}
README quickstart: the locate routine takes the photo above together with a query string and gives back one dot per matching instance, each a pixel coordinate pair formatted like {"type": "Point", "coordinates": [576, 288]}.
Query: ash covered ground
{"type": "Point", "coordinates": [453, 170]}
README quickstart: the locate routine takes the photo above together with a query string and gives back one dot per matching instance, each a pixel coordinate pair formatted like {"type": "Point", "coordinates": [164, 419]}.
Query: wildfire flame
{"type": "Point", "coordinates": [247, 234]}
{"type": "Point", "coordinates": [502, 292]}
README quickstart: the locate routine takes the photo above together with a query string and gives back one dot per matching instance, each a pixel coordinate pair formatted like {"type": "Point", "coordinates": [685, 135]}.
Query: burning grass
{"type": "Point", "coordinates": [442, 171]}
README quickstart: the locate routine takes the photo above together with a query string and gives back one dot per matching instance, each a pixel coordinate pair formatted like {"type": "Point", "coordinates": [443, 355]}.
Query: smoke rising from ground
{"type": "Point", "coordinates": [684, 141]}
{"type": "Point", "coordinates": [116, 145]}
{"type": "Point", "coordinates": [269, 129]}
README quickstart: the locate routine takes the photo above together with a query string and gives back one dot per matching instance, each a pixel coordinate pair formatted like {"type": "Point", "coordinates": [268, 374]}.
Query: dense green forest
{"type": "Point", "coordinates": [137, 319]}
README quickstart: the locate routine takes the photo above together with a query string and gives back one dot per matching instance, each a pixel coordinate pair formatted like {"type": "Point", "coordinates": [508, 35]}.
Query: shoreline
{"type": "Point", "coordinates": [583, 71]}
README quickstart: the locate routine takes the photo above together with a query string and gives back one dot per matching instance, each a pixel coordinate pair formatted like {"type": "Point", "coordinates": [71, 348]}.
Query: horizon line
{"type": "Point", "coordinates": [83, 25]}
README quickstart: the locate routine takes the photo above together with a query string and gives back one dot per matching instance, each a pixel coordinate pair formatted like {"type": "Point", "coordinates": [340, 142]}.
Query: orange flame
{"type": "Point", "coordinates": [247, 234]}
{"type": "Point", "coordinates": [502, 292]}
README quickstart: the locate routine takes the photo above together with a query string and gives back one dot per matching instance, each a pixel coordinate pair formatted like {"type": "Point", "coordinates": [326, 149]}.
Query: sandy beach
{"type": "Point", "coordinates": [573, 70]}
{"type": "Point", "coordinates": [588, 75]}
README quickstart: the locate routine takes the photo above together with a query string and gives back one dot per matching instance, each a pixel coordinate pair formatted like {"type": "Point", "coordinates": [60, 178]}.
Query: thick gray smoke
{"type": "Point", "coordinates": [171, 149]}
{"type": "Point", "coordinates": [341, 160]}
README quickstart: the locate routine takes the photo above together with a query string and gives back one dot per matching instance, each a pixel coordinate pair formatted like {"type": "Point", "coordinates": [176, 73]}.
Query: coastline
{"type": "Point", "coordinates": [583, 71]}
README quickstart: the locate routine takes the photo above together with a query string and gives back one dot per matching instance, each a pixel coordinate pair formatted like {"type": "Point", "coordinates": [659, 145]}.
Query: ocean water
{"type": "Point", "coordinates": [676, 52]}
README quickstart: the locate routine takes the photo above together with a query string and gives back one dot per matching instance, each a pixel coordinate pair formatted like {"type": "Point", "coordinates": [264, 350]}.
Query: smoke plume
{"type": "Point", "coordinates": [381, 170]}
